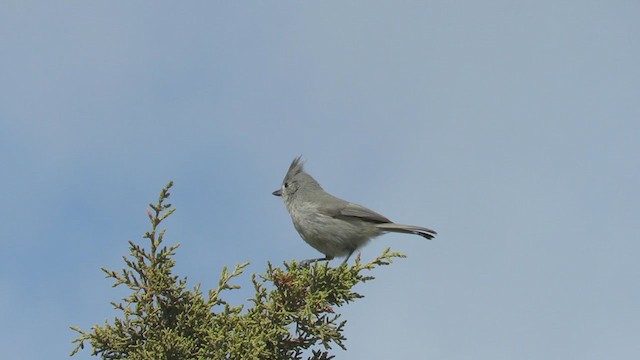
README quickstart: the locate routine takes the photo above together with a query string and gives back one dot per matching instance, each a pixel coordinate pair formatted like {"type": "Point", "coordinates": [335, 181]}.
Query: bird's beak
{"type": "Point", "coordinates": [277, 192]}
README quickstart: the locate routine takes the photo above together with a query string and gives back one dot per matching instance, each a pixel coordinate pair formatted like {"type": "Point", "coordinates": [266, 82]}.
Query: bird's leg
{"type": "Point", "coordinates": [347, 258]}
{"type": "Point", "coordinates": [305, 263]}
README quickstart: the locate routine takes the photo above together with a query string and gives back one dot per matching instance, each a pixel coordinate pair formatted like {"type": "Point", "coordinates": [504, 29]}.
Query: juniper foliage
{"type": "Point", "coordinates": [292, 315]}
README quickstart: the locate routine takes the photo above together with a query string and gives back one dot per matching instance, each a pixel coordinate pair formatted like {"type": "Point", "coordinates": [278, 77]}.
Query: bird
{"type": "Point", "coordinates": [333, 226]}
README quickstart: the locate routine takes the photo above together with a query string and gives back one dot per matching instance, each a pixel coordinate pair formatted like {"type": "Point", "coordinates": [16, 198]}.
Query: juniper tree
{"type": "Point", "coordinates": [292, 315]}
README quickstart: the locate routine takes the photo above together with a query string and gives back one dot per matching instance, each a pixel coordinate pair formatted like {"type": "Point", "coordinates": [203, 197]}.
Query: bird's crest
{"type": "Point", "coordinates": [296, 167]}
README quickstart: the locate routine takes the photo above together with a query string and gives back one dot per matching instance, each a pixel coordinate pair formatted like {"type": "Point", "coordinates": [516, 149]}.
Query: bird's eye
{"type": "Point", "coordinates": [286, 185]}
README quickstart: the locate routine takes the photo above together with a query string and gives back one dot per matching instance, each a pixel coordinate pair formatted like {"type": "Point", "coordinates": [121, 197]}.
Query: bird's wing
{"type": "Point", "coordinates": [341, 209]}
{"type": "Point", "coordinates": [355, 210]}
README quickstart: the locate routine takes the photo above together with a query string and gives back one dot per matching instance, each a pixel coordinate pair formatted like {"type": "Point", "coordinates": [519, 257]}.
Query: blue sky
{"type": "Point", "coordinates": [512, 130]}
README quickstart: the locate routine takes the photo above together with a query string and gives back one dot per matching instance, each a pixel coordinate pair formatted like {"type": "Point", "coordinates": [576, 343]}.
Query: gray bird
{"type": "Point", "coordinates": [333, 226]}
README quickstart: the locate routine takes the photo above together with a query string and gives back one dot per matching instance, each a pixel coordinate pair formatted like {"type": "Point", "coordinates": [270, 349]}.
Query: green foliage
{"type": "Point", "coordinates": [293, 310]}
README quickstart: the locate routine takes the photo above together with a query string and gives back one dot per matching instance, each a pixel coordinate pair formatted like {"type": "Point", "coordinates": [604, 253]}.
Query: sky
{"type": "Point", "coordinates": [511, 129]}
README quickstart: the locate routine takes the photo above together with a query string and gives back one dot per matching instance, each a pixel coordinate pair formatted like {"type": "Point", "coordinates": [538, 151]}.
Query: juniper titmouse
{"type": "Point", "coordinates": [333, 226]}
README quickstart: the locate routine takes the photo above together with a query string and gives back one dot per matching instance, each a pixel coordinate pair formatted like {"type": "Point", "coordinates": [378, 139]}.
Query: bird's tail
{"type": "Point", "coordinates": [408, 229]}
